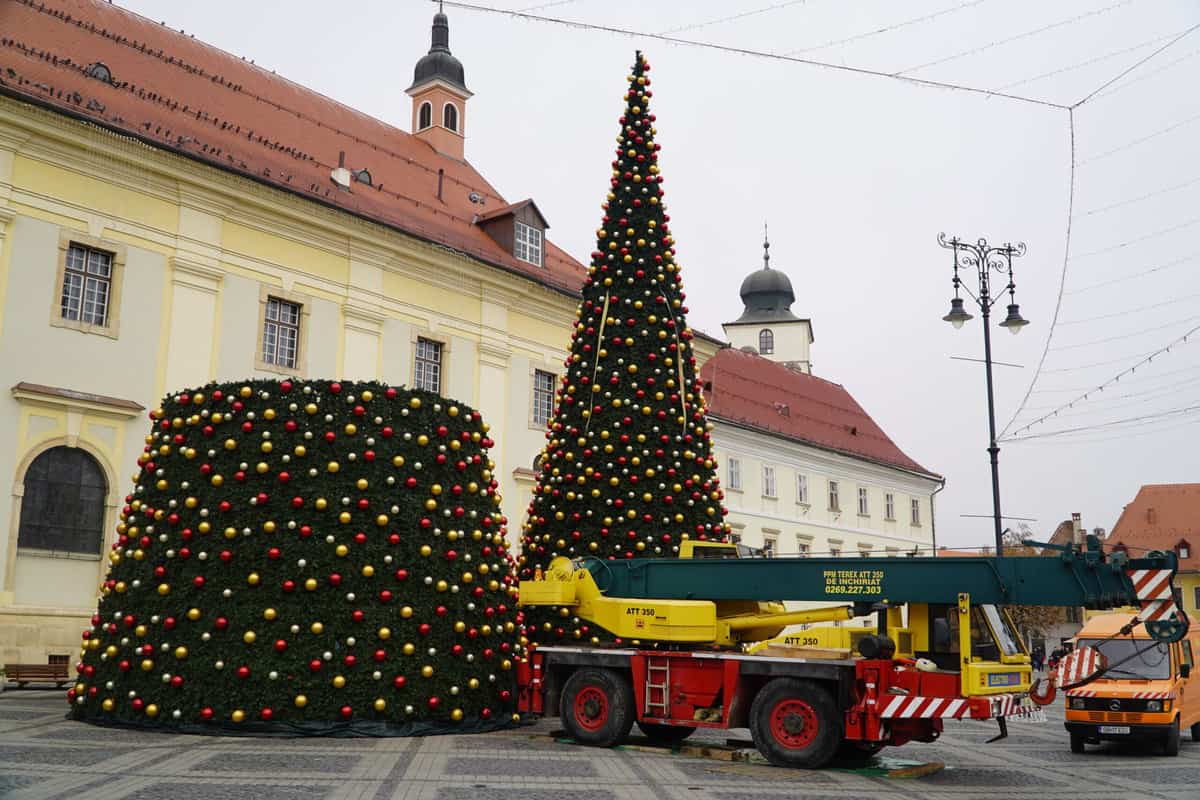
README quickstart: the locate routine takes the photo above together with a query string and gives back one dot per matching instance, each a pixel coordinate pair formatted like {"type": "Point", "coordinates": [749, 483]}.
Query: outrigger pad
{"type": "Point", "coordinates": [1003, 731]}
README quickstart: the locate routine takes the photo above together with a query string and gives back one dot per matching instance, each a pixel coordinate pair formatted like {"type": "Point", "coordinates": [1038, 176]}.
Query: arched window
{"type": "Point", "coordinates": [425, 116]}
{"type": "Point", "coordinates": [450, 117]}
{"type": "Point", "coordinates": [63, 506]}
{"type": "Point", "coordinates": [766, 341]}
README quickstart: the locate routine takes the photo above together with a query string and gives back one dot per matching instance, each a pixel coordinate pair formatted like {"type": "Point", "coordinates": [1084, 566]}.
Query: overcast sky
{"type": "Point", "coordinates": [857, 175]}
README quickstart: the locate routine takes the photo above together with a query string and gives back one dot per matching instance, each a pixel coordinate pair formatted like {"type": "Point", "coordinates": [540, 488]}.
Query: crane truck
{"type": "Point", "coordinates": [682, 628]}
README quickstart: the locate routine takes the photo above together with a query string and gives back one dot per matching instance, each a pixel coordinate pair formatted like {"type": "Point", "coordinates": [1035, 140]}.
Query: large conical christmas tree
{"type": "Point", "coordinates": [321, 555]}
{"type": "Point", "coordinates": [628, 470]}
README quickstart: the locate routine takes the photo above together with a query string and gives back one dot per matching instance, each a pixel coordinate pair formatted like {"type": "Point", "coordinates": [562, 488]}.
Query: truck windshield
{"type": "Point", "coordinates": [1153, 662]}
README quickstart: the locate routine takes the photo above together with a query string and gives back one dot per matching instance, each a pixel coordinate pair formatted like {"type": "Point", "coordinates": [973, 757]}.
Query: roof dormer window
{"type": "Point", "coordinates": [527, 244]}
{"type": "Point", "coordinates": [100, 71]}
{"type": "Point", "coordinates": [1183, 549]}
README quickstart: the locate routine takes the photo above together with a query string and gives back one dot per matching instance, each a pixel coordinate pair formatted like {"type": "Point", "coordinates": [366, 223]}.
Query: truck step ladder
{"type": "Point", "coordinates": [657, 694]}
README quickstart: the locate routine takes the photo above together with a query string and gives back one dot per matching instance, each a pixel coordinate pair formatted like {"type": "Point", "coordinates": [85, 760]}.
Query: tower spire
{"type": "Point", "coordinates": [766, 248]}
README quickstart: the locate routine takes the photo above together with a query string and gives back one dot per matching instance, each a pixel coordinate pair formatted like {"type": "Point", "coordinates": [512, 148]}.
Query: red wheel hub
{"type": "Point", "coordinates": [591, 708]}
{"type": "Point", "coordinates": [794, 723]}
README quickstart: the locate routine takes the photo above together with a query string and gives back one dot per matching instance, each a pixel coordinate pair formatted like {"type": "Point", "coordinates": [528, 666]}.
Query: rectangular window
{"type": "Point", "coordinates": [802, 489]}
{"type": "Point", "coordinates": [892, 552]}
{"type": "Point", "coordinates": [864, 551]}
{"type": "Point", "coordinates": [835, 551]}
{"type": "Point", "coordinates": [833, 497]}
{"type": "Point", "coordinates": [770, 545]}
{"type": "Point", "coordinates": [87, 285]}
{"type": "Point", "coordinates": [803, 547]}
{"type": "Point", "coordinates": [543, 397]}
{"type": "Point", "coordinates": [916, 512]}
{"type": "Point", "coordinates": [735, 537]}
{"type": "Point", "coordinates": [427, 370]}
{"type": "Point", "coordinates": [864, 509]}
{"type": "Point", "coordinates": [1196, 598]}
{"type": "Point", "coordinates": [528, 244]}
{"type": "Point", "coordinates": [281, 333]}
{"type": "Point", "coordinates": [889, 506]}
{"type": "Point", "coordinates": [735, 474]}
{"type": "Point", "coordinates": [768, 481]}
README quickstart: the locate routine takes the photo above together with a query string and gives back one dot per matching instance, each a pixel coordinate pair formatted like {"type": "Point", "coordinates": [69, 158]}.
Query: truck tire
{"type": "Point", "coordinates": [1196, 732]}
{"type": "Point", "coordinates": [1171, 739]}
{"type": "Point", "coordinates": [665, 734]}
{"type": "Point", "coordinates": [1076, 742]}
{"type": "Point", "coordinates": [796, 723]}
{"type": "Point", "coordinates": [597, 707]}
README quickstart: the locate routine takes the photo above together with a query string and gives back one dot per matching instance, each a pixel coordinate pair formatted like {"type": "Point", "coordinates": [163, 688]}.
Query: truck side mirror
{"type": "Point", "coordinates": [1185, 670]}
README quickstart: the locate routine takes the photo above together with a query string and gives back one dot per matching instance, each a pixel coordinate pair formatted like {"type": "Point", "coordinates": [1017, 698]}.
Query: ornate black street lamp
{"type": "Point", "coordinates": [984, 260]}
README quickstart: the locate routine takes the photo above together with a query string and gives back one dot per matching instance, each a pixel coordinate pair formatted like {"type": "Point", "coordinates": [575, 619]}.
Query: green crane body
{"type": "Point", "coordinates": [1072, 578]}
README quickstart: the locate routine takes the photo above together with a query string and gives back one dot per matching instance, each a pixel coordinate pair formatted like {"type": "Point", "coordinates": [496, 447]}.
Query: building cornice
{"type": "Point", "coordinates": [71, 398]}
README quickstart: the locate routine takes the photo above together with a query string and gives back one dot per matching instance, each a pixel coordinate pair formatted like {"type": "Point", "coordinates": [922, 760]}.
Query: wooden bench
{"type": "Point", "coordinates": [22, 674]}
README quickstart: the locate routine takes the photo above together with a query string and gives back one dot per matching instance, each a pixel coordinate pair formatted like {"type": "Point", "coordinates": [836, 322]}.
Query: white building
{"type": "Point", "coordinates": [805, 469]}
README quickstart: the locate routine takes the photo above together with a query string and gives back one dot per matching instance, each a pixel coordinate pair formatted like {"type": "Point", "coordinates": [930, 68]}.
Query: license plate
{"type": "Point", "coordinates": [1114, 729]}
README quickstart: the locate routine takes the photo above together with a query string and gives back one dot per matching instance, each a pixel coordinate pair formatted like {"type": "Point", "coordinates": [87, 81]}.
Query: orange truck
{"type": "Point", "coordinates": [1144, 693]}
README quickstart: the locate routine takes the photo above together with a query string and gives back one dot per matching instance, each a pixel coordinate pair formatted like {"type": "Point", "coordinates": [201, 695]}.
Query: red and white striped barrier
{"type": "Point", "coordinates": [1012, 706]}
{"type": "Point", "coordinates": [1154, 593]}
{"type": "Point", "coordinates": [917, 707]}
{"type": "Point", "coordinates": [908, 707]}
{"type": "Point", "coordinates": [1079, 665]}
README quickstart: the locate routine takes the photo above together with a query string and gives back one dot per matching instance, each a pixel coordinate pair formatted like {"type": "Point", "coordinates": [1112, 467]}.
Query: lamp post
{"type": "Point", "coordinates": [984, 259]}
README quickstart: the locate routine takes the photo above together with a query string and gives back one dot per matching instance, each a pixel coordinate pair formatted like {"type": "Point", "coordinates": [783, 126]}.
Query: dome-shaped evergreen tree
{"type": "Point", "coordinates": [313, 554]}
{"type": "Point", "coordinates": [628, 469]}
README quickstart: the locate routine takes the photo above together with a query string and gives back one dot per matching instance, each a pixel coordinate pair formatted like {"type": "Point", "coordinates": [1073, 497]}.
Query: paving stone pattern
{"type": "Point", "coordinates": [45, 756]}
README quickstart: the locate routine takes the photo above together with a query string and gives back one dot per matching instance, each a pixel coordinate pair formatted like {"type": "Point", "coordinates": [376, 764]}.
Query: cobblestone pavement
{"type": "Point", "coordinates": [43, 756]}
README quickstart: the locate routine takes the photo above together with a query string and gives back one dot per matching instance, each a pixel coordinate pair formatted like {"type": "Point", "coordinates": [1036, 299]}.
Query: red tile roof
{"type": "Point", "coordinates": [182, 95]}
{"type": "Point", "coordinates": [1158, 519]}
{"type": "Point", "coordinates": [750, 390]}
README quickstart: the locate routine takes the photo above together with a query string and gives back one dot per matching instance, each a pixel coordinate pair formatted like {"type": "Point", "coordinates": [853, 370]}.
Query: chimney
{"type": "Point", "coordinates": [1077, 528]}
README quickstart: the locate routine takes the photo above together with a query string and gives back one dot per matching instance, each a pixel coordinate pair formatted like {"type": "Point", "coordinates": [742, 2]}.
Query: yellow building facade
{"type": "Point", "coordinates": [128, 270]}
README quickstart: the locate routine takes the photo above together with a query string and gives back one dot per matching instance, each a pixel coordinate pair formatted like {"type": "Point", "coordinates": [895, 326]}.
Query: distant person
{"type": "Point", "coordinates": [1039, 658]}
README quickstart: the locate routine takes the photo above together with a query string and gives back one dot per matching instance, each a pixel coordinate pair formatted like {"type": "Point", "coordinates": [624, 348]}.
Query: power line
{"type": "Point", "coordinates": [1062, 279]}
{"type": "Point", "coordinates": [1092, 406]}
{"type": "Point", "coordinates": [1124, 336]}
{"type": "Point", "coordinates": [1017, 37]}
{"type": "Point", "coordinates": [1128, 311]}
{"type": "Point", "coordinates": [1152, 393]}
{"type": "Point", "coordinates": [548, 5]}
{"type": "Point", "coordinates": [1090, 389]}
{"type": "Point", "coordinates": [1149, 429]}
{"type": "Point", "coordinates": [1169, 65]}
{"type": "Point", "coordinates": [1139, 239]}
{"type": "Point", "coordinates": [1102, 425]}
{"type": "Point", "coordinates": [1159, 268]}
{"type": "Point", "coordinates": [886, 29]}
{"type": "Point", "coordinates": [1134, 66]}
{"type": "Point", "coordinates": [1094, 364]}
{"type": "Point", "coordinates": [1115, 379]}
{"type": "Point", "coordinates": [1141, 140]}
{"type": "Point", "coordinates": [1090, 61]}
{"type": "Point", "coordinates": [749, 52]}
{"type": "Point", "coordinates": [733, 17]}
{"type": "Point", "coordinates": [1174, 188]}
